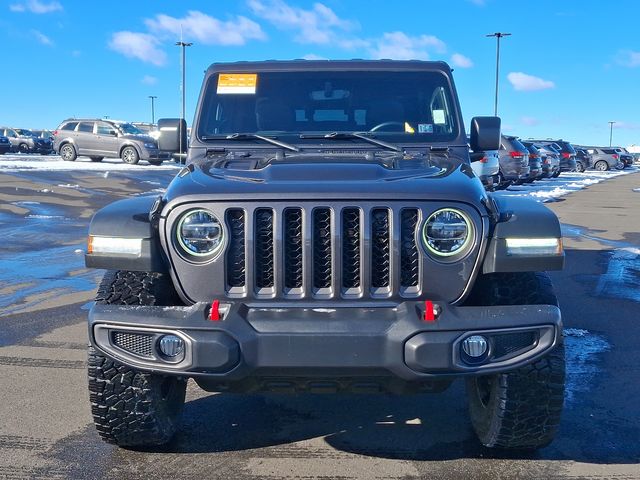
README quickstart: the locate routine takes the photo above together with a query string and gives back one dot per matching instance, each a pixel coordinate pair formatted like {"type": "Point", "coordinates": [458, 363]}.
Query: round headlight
{"type": "Point", "coordinates": [200, 233]}
{"type": "Point", "coordinates": [447, 232]}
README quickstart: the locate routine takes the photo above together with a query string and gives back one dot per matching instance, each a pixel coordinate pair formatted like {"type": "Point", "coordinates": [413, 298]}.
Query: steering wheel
{"type": "Point", "coordinates": [388, 124]}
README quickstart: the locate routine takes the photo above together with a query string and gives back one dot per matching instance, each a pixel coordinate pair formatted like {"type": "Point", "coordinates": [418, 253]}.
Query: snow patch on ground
{"type": "Point", "coordinates": [582, 349]}
{"type": "Point", "coordinates": [13, 163]}
{"type": "Point", "coordinates": [622, 278]}
{"type": "Point", "coordinates": [552, 188]}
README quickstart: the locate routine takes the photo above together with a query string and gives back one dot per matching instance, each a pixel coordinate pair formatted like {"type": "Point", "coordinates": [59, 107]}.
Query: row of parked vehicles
{"type": "Point", "coordinates": [520, 161]}
{"type": "Point", "coordinates": [94, 138]}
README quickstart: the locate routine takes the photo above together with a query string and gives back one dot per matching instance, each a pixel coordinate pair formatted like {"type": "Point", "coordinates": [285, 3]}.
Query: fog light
{"type": "Point", "coordinates": [171, 345]}
{"type": "Point", "coordinates": [475, 346]}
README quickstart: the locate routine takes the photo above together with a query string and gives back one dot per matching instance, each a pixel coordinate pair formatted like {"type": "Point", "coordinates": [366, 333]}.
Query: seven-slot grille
{"type": "Point", "coordinates": [321, 252]}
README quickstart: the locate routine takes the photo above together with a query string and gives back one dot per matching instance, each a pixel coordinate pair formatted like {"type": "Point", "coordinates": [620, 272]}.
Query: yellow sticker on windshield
{"type": "Point", "coordinates": [237, 83]}
{"type": "Point", "coordinates": [408, 128]}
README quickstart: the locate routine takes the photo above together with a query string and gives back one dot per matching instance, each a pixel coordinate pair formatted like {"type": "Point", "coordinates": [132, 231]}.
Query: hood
{"type": "Point", "coordinates": [319, 177]}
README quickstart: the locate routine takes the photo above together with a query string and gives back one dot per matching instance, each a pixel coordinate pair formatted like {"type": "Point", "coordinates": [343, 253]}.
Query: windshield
{"type": "Point", "coordinates": [403, 106]}
{"type": "Point", "coordinates": [130, 129]}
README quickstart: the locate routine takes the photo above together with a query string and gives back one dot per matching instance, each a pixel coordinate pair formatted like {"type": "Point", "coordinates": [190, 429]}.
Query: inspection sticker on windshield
{"type": "Point", "coordinates": [425, 128]}
{"type": "Point", "coordinates": [237, 83]}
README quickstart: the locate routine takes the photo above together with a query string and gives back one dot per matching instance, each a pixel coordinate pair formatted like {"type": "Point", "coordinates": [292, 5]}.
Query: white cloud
{"type": "Point", "coordinates": [400, 46]}
{"type": "Point", "coordinates": [628, 58]}
{"type": "Point", "coordinates": [207, 30]}
{"type": "Point", "coordinates": [530, 121]}
{"type": "Point", "coordinates": [76, 53]}
{"type": "Point", "coordinates": [36, 6]}
{"type": "Point", "coordinates": [480, 3]}
{"type": "Point", "coordinates": [627, 125]}
{"type": "Point", "coordinates": [459, 60]}
{"type": "Point", "coordinates": [313, 56]}
{"type": "Point", "coordinates": [138, 45]}
{"type": "Point", "coordinates": [149, 80]}
{"type": "Point", "coordinates": [528, 83]}
{"type": "Point", "coordinates": [42, 38]}
{"type": "Point", "coordinates": [320, 25]}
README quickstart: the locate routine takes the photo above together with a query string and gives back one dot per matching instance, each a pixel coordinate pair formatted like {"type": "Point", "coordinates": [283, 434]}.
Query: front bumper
{"type": "Point", "coordinates": [154, 154]}
{"type": "Point", "coordinates": [290, 343]}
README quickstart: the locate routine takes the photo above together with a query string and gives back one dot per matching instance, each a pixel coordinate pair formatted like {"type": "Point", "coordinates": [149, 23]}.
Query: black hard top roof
{"type": "Point", "coordinates": [356, 64]}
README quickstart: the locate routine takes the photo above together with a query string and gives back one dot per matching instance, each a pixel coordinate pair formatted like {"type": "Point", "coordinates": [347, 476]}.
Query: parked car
{"type": "Point", "coordinates": [566, 151]}
{"type": "Point", "coordinates": [605, 158]}
{"type": "Point", "coordinates": [99, 138]}
{"type": "Point", "coordinates": [43, 134]}
{"type": "Point", "coordinates": [514, 161]}
{"type": "Point", "coordinates": [486, 166]}
{"type": "Point", "coordinates": [327, 261]}
{"type": "Point", "coordinates": [550, 157]}
{"type": "Point", "coordinates": [23, 141]}
{"type": "Point", "coordinates": [625, 157]}
{"type": "Point", "coordinates": [5, 145]}
{"type": "Point", "coordinates": [583, 159]}
{"type": "Point", "coordinates": [545, 169]}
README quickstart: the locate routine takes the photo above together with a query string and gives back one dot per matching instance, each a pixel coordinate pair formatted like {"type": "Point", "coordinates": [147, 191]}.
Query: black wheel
{"type": "Point", "coordinates": [68, 152]}
{"type": "Point", "coordinates": [601, 166]}
{"type": "Point", "coordinates": [96, 159]}
{"type": "Point", "coordinates": [130, 155]}
{"type": "Point", "coordinates": [157, 163]}
{"type": "Point", "coordinates": [579, 167]}
{"type": "Point", "coordinates": [519, 409]}
{"type": "Point", "coordinates": [130, 407]}
{"type": "Point", "coordinates": [557, 174]}
{"type": "Point", "coordinates": [23, 148]}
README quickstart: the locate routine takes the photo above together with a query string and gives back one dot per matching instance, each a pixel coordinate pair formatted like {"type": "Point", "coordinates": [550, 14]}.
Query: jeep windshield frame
{"type": "Point", "coordinates": [304, 106]}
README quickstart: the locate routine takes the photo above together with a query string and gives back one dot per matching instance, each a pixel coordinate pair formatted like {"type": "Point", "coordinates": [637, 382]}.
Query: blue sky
{"type": "Point", "coordinates": [569, 67]}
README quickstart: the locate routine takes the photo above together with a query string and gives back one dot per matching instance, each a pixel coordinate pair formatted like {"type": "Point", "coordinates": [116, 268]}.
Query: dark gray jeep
{"type": "Point", "coordinates": [327, 234]}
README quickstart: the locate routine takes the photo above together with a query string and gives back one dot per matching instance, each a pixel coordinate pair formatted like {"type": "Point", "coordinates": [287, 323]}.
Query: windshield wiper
{"type": "Point", "coordinates": [360, 135]}
{"type": "Point", "coordinates": [245, 136]}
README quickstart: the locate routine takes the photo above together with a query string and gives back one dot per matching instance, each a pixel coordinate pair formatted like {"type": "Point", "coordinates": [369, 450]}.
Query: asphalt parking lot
{"type": "Point", "coordinates": [45, 423]}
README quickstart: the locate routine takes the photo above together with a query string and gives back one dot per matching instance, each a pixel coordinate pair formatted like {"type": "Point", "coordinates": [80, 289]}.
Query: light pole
{"type": "Point", "coordinates": [153, 111]}
{"type": "Point", "coordinates": [183, 45]}
{"type": "Point", "coordinates": [498, 36]}
{"type": "Point", "coordinates": [611, 132]}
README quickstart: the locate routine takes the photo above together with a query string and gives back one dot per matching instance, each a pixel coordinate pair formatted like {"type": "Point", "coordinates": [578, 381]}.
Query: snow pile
{"type": "Point", "coordinates": [548, 190]}
{"type": "Point", "coordinates": [12, 163]}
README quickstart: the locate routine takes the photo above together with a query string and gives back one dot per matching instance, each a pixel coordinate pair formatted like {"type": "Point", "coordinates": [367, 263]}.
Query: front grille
{"type": "Point", "coordinates": [139, 344]}
{"type": "Point", "coordinates": [323, 252]}
{"type": "Point", "coordinates": [508, 343]}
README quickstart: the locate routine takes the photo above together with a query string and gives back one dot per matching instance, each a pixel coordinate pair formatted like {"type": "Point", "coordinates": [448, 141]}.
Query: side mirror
{"type": "Point", "coordinates": [485, 133]}
{"type": "Point", "coordinates": [173, 135]}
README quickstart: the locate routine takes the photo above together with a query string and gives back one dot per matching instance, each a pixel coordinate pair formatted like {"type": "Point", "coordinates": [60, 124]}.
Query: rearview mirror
{"type": "Point", "coordinates": [485, 133]}
{"type": "Point", "coordinates": [173, 135]}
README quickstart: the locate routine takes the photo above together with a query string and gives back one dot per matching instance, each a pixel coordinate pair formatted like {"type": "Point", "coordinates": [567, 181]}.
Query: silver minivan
{"type": "Point", "coordinates": [99, 138]}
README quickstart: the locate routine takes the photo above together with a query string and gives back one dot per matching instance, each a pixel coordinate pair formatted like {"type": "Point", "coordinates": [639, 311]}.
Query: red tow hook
{"type": "Point", "coordinates": [431, 311]}
{"type": "Point", "coordinates": [214, 314]}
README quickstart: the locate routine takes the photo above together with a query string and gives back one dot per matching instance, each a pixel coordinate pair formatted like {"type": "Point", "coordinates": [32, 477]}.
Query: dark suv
{"type": "Point", "coordinates": [514, 160]}
{"type": "Point", "coordinates": [99, 138]}
{"type": "Point", "coordinates": [327, 234]}
{"type": "Point", "coordinates": [567, 153]}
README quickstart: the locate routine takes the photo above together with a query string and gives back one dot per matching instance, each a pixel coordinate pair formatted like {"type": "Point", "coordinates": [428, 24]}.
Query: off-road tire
{"type": "Point", "coordinates": [131, 408]}
{"type": "Point", "coordinates": [130, 155]}
{"type": "Point", "coordinates": [68, 152]}
{"type": "Point", "coordinates": [519, 409]}
{"type": "Point", "coordinates": [96, 159]}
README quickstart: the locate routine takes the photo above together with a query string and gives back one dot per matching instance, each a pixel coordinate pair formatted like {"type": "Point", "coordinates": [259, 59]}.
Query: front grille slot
{"type": "Point", "coordinates": [322, 256]}
{"type": "Point", "coordinates": [380, 248]}
{"type": "Point", "coordinates": [236, 264]}
{"type": "Point", "coordinates": [351, 248]}
{"type": "Point", "coordinates": [409, 256]}
{"type": "Point", "coordinates": [264, 248]}
{"type": "Point", "coordinates": [139, 344]}
{"type": "Point", "coordinates": [293, 248]}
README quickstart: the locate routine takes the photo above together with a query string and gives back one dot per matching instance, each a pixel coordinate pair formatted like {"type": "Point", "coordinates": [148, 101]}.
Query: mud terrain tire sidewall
{"type": "Point", "coordinates": [129, 407]}
{"type": "Point", "coordinates": [520, 409]}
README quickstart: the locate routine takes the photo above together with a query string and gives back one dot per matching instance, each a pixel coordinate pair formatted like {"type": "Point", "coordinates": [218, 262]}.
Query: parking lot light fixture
{"type": "Point", "coordinates": [153, 111]}
{"type": "Point", "coordinates": [611, 132]}
{"type": "Point", "coordinates": [498, 36]}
